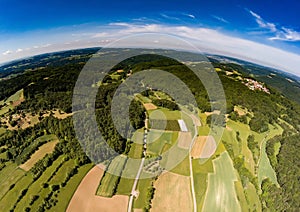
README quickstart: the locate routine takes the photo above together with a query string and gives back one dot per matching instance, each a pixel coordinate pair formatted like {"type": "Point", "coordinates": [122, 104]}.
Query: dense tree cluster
{"type": "Point", "coordinates": [287, 167]}
{"type": "Point", "coordinates": [166, 103]}
{"type": "Point", "coordinates": [253, 146]}
{"type": "Point", "coordinates": [137, 114]}
{"type": "Point", "coordinates": [215, 119]}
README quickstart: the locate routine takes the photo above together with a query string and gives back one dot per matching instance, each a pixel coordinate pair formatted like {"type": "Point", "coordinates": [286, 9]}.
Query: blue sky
{"type": "Point", "coordinates": [270, 28]}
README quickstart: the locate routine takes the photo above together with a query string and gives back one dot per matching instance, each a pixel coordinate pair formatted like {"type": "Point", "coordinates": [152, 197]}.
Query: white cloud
{"type": "Point", "coordinates": [123, 24]}
{"type": "Point", "coordinates": [287, 35]}
{"type": "Point", "coordinates": [220, 19]}
{"type": "Point", "coordinates": [281, 33]}
{"type": "Point", "coordinates": [169, 17]}
{"type": "Point", "coordinates": [46, 45]}
{"type": "Point", "coordinates": [206, 39]}
{"type": "Point", "coordinates": [7, 52]}
{"type": "Point", "coordinates": [213, 41]}
{"type": "Point", "coordinates": [262, 23]}
{"type": "Point", "coordinates": [190, 15]}
{"type": "Point", "coordinates": [19, 50]}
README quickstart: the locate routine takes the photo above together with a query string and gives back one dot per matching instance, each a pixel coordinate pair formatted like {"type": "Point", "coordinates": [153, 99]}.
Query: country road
{"type": "Point", "coordinates": [133, 190]}
{"type": "Point", "coordinates": [191, 165]}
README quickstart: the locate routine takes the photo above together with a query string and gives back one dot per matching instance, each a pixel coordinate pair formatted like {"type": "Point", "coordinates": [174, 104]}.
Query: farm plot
{"type": "Point", "coordinates": [109, 182]}
{"type": "Point", "coordinates": [36, 187]}
{"type": "Point", "coordinates": [166, 113]}
{"type": "Point", "coordinates": [265, 170]}
{"type": "Point", "coordinates": [221, 194]}
{"type": "Point", "coordinates": [11, 198]}
{"type": "Point", "coordinates": [141, 201]}
{"type": "Point", "coordinates": [85, 199]}
{"type": "Point", "coordinates": [13, 101]}
{"type": "Point", "coordinates": [9, 175]}
{"type": "Point", "coordinates": [38, 142]}
{"type": "Point", "coordinates": [264, 167]}
{"type": "Point", "coordinates": [160, 124]}
{"type": "Point", "coordinates": [196, 120]}
{"type": "Point", "coordinates": [39, 154]}
{"type": "Point", "coordinates": [159, 142]}
{"type": "Point", "coordinates": [204, 147]}
{"type": "Point", "coordinates": [200, 172]}
{"type": "Point", "coordinates": [184, 140]}
{"type": "Point", "coordinates": [172, 193]}
{"type": "Point", "coordinates": [150, 106]}
{"type": "Point", "coordinates": [143, 98]}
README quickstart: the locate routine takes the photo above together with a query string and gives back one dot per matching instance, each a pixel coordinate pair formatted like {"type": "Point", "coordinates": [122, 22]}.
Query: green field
{"type": "Point", "coordinates": [253, 199]}
{"type": "Point", "coordinates": [221, 194]}
{"type": "Point", "coordinates": [142, 186]}
{"type": "Point", "coordinates": [159, 142]}
{"type": "Point", "coordinates": [176, 161]}
{"type": "Point", "coordinates": [125, 186]}
{"type": "Point", "coordinates": [200, 172]}
{"type": "Point", "coordinates": [109, 182]}
{"type": "Point", "coordinates": [143, 98]}
{"type": "Point", "coordinates": [36, 187]}
{"type": "Point", "coordinates": [138, 136]}
{"type": "Point", "coordinates": [203, 130]}
{"type": "Point", "coordinates": [241, 195]}
{"type": "Point", "coordinates": [159, 124]}
{"type": "Point", "coordinates": [265, 170]}
{"type": "Point", "coordinates": [15, 97]}
{"type": "Point", "coordinates": [169, 115]}
{"type": "Point", "coordinates": [10, 199]}
{"type": "Point", "coordinates": [9, 176]}
{"type": "Point", "coordinates": [66, 193]}
{"type": "Point", "coordinates": [240, 147]}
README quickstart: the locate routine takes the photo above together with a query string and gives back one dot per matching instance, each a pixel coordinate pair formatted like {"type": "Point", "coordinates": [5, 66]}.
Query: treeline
{"type": "Point", "coordinates": [166, 103]}
{"type": "Point", "coordinates": [287, 167]}
{"type": "Point", "coordinates": [137, 114]}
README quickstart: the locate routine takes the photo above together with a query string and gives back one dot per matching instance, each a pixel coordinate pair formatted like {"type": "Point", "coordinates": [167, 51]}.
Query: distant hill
{"type": "Point", "coordinates": [43, 60]}
{"type": "Point", "coordinates": [287, 84]}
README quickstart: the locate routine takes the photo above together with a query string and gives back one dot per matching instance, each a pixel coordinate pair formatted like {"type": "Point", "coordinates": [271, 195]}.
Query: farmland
{"type": "Point", "coordinates": [179, 187]}
{"type": "Point", "coordinates": [11, 102]}
{"type": "Point", "coordinates": [200, 172]}
{"type": "Point", "coordinates": [40, 153]}
{"type": "Point", "coordinates": [204, 147]}
{"type": "Point", "coordinates": [85, 199]}
{"type": "Point", "coordinates": [109, 182]}
{"type": "Point", "coordinates": [164, 112]}
{"type": "Point", "coordinates": [168, 125]}
{"type": "Point", "coordinates": [141, 201]}
{"type": "Point", "coordinates": [160, 141]}
{"type": "Point", "coordinates": [221, 194]}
